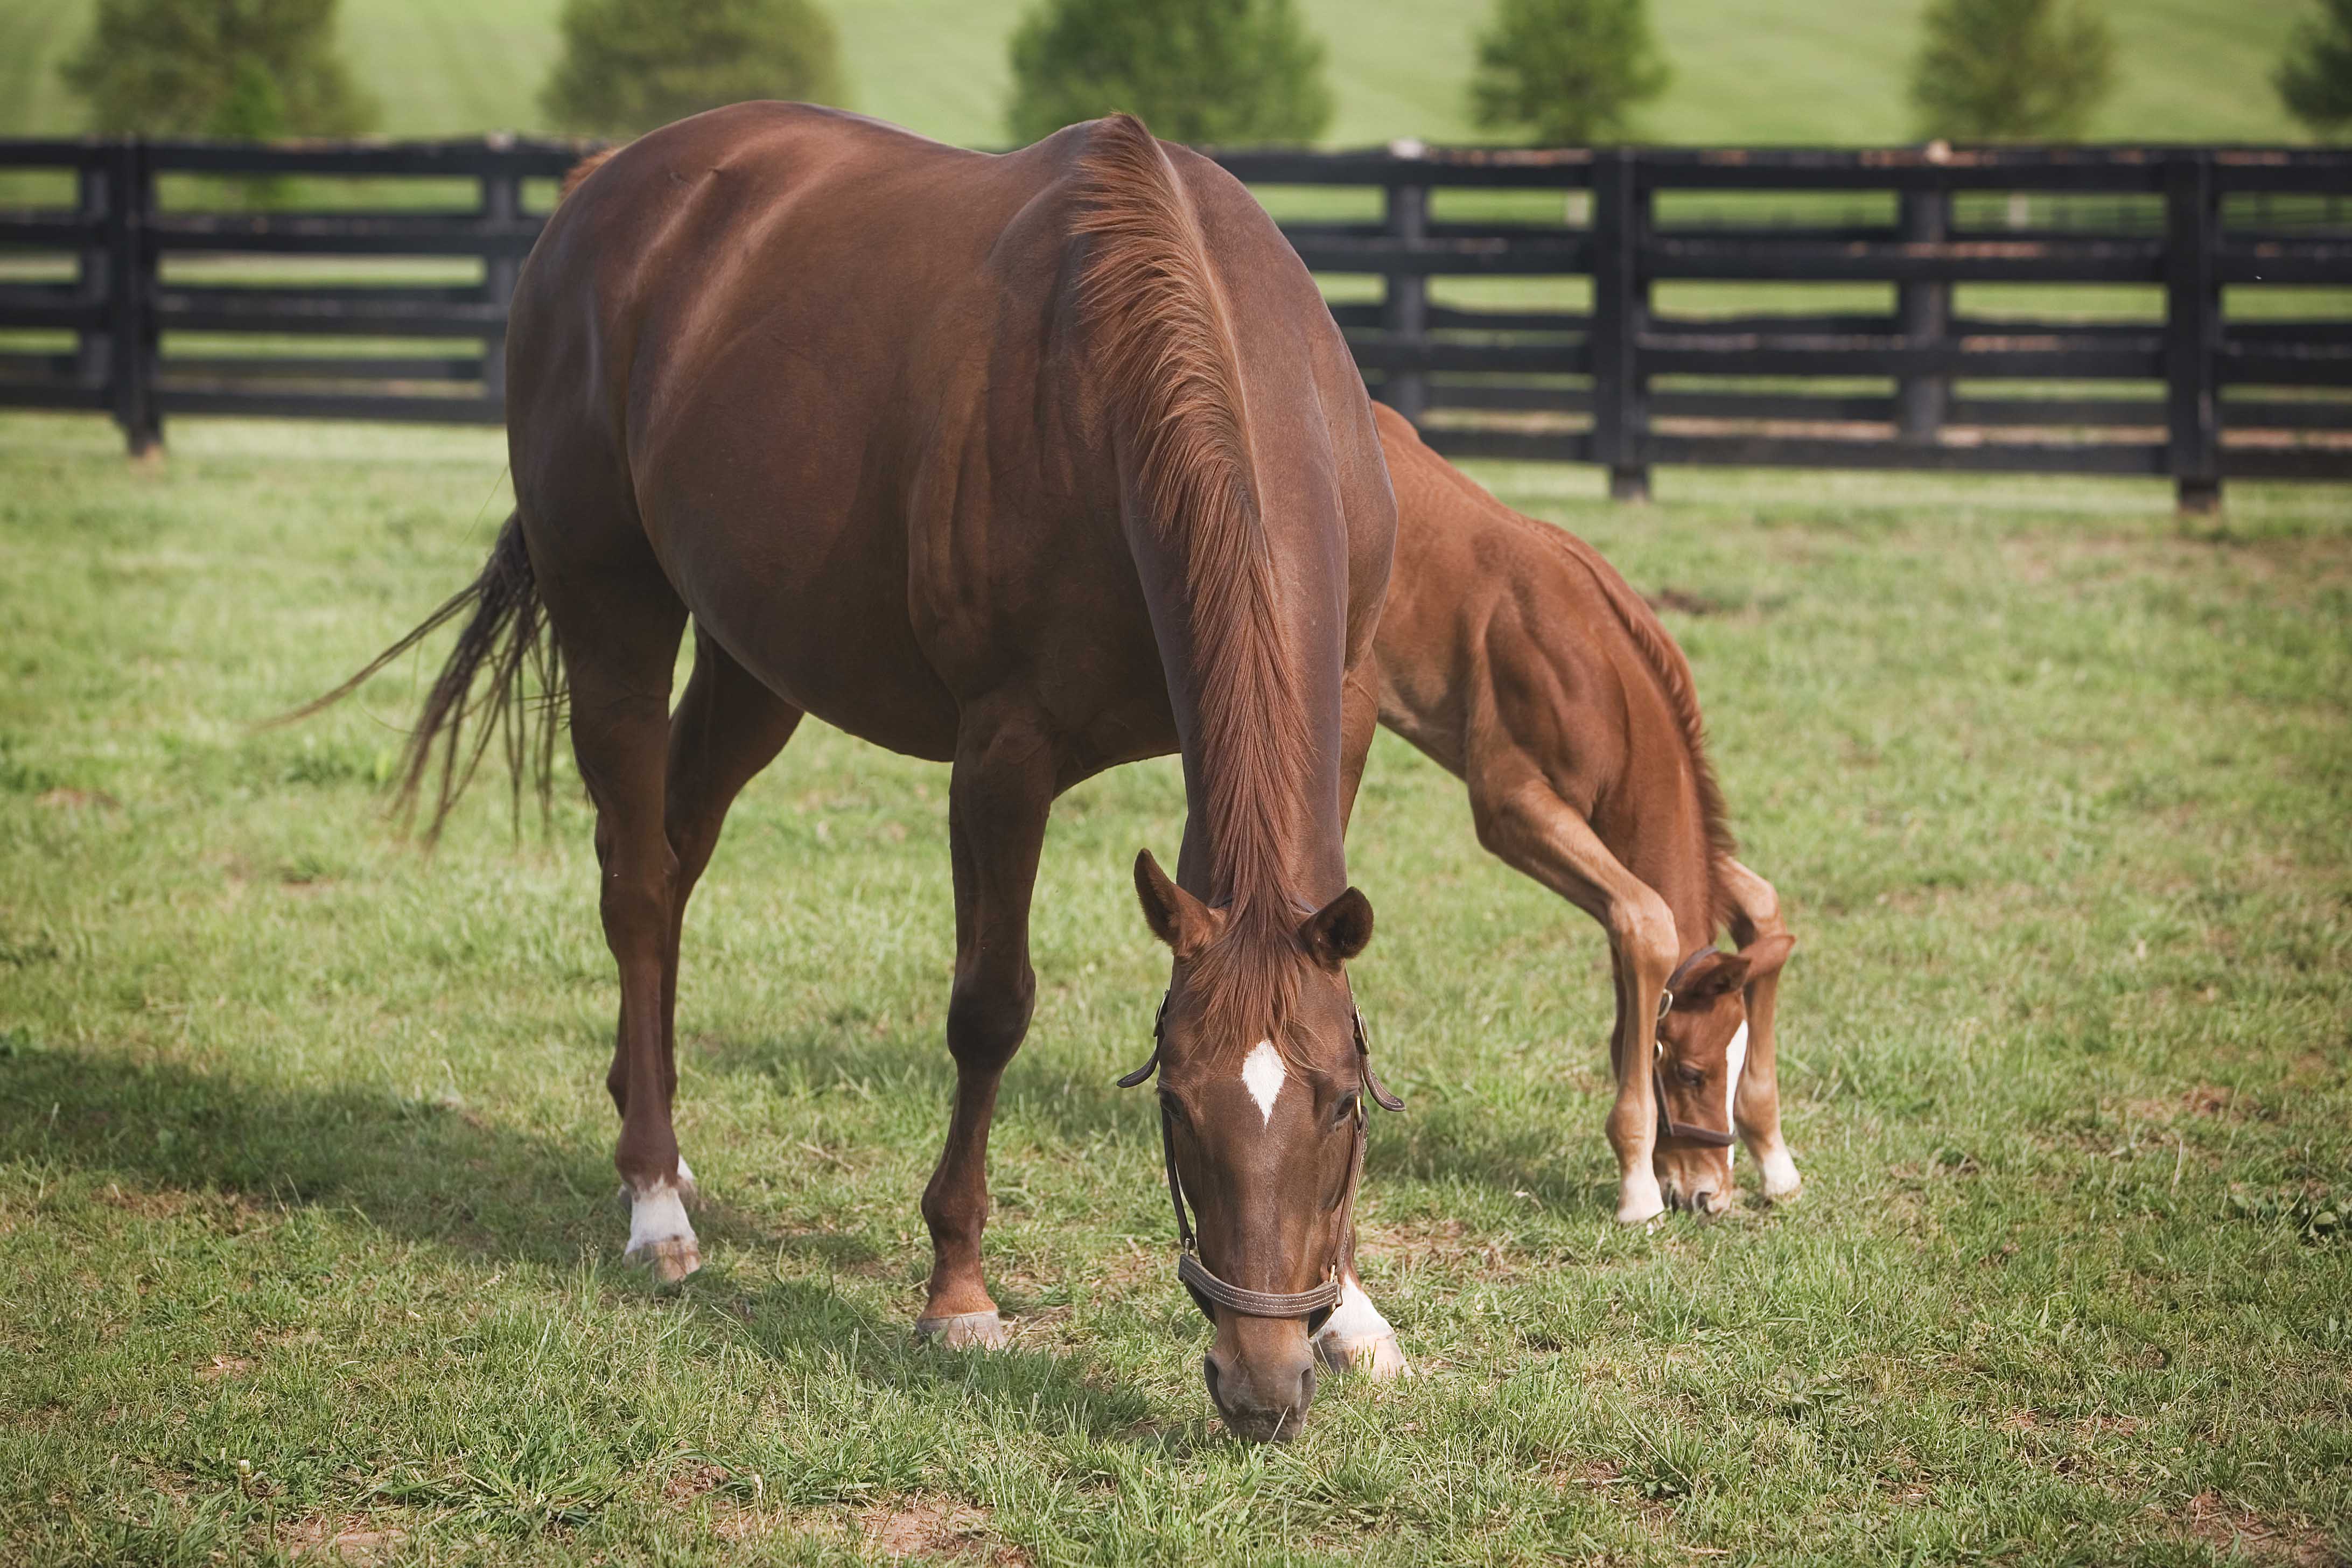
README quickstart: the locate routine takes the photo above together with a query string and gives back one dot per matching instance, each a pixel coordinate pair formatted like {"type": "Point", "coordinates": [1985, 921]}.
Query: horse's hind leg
{"type": "Point", "coordinates": [726, 728]}
{"type": "Point", "coordinates": [618, 623]}
{"type": "Point", "coordinates": [998, 799]}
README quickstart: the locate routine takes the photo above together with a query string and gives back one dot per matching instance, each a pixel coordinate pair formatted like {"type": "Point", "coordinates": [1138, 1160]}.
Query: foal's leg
{"type": "Point", "coordinates": [1530, 828]}
{"type": "Point", "coordinates": [619, 629]}
{"type": "Point", "coordinates": [1756, 1111]}
{"type": "Point", "coordinates": [998, 799]}
{"type": "Point", "coordinates": [1357, 1337]}
{"type": "Point", "coordinates": [726, 728]}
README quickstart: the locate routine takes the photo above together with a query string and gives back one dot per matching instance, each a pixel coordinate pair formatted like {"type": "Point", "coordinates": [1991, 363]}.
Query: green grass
{"type": "Point", "coordinates": [1786, 70]}
{"type": "Point", "coordinates": [304, 1180]}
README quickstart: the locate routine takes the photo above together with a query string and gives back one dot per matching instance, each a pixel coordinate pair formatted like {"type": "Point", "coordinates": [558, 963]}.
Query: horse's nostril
{"type": "Point", "coordinates": [1703, 1200]}
{"type": "Point", "coordinates": [1209, 1371]}
{"type": "Point", "coordinates": [1305, 1389]}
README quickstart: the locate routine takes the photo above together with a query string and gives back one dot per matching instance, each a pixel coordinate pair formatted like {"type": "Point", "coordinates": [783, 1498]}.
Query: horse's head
{"type": "Point", "coordinates": [1702, 1050]}
{"type": "Point", "coordinates": [1264, 1072]}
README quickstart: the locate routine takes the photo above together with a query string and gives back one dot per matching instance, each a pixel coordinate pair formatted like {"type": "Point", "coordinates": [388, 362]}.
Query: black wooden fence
{"type": "Point", "coordinates": [2157, 311]}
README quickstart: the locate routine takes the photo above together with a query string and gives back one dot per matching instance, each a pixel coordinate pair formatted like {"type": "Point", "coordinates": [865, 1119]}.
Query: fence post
{"type": "Point", "coordinates": [133, 336]}
{"type": "Point", "coordinates": [93, 350]}
{"type": "Point", "coordinates": [501, 204]}
{"type": "Point", "coordinates": [1404, 313]}
{"type": "Point", "coordinates": [2193, 329]}
{"type": "Point", "coordinates": [1621, 418]}
{"type": "Point", "coordinates": [1925, 311]}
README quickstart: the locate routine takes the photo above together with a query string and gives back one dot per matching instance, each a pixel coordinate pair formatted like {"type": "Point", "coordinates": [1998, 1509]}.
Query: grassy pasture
{"type": "Point", "coordinates": [304, 1175]}
{"type": "Point", "coordinates": [1781, 70]}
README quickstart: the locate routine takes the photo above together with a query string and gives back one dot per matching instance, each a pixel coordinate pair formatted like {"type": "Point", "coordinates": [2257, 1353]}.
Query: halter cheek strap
{"type": "Point", "coordinates": [1207, 1290]}
{"type": "Point", "coordinates": [1668, 1126]}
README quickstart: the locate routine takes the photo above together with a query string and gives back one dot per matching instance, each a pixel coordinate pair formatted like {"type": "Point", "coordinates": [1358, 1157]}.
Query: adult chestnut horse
{"type": "Point", "coordinates": [1513, 655]}
{"type": "Point", "coordinates": [1034, 464]}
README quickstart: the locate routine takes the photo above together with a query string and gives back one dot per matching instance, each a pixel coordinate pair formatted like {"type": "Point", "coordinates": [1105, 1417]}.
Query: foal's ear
{"type": "Point", "coordinates": [1339, 930]}
{"type": "Point", "coordinates": [1713, 977]}
{"type": "Point", "coordinates": [1766, 954]}
{"type": "Point", "coordinates": [1177, 918]}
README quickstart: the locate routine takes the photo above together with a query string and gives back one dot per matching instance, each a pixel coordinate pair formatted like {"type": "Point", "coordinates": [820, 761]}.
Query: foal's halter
{"type": "Point", "coordinates": [1207, 1290]}
{"type": "Point", "coordinates": [1668, 1126]}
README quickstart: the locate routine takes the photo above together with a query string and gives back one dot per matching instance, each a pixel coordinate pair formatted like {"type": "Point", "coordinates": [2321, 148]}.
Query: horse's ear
{"type": "Point", "coordinates": [1177, 918]}
{"type": "Point", "coordinates": [1339, 930]}
{"type": "Point", "coordinates": [1766, 954]}
{"type": "Point", "coordinates": [1712, 976]}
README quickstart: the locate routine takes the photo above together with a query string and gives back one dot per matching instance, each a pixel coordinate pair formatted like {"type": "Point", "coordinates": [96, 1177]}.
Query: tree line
{"type": "Point", "coordinates": [1231, 72]}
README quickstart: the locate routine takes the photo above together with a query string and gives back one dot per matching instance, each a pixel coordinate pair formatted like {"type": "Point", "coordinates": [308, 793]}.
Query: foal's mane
{"type": "Point", "coordinates": [1672, 671]}
{"type": "Point", "coordinates": [1164, 346]}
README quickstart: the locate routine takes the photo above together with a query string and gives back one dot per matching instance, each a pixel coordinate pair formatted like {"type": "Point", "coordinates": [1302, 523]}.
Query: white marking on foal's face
{"type": "Point", "coordinates": [1735, 1062]}
{"type": "Point", "coordinates": [1263, 1075]}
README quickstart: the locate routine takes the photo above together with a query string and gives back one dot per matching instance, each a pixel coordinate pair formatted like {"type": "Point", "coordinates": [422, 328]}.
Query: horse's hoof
{"type": "Point", "coordinates": [672, 1259]}
{"type": "Point", "coordinates": [965, 1331]}
{"type": "Point", "coordinates": [1379, 1358]}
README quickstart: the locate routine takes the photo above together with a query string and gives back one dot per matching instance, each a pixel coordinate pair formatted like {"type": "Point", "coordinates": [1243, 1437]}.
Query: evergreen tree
{"type": "Point", "coordinates": [1210, 71]}
{"type": "Point", "coordinates": [2011, 71]}
{"type": "Point", "coordinates": [247, 68]}
{"type": "Point", "coordinates": [629, 66]}
{"type": "Point", "coordinates": [1571, 72]}
{"type": "Point", "coordinates": [2315, 76]}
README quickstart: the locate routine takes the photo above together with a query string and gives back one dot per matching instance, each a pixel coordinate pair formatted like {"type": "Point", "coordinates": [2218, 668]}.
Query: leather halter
{"type": "Point", "coordinates": [1207, 1290]}
{"type": "Point", "coordinates": [1668, 1126]}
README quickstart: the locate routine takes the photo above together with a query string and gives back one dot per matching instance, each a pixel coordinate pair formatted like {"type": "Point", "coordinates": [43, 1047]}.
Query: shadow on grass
{"type": "Point", "coordinates": [427, 1171]}
{"type": "Point", "coordinates": [440, 1175]}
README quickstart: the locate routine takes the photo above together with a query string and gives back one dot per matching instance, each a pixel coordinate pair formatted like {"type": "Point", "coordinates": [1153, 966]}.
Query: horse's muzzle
{"type": "Point", "coordinates": [1264, 1403]}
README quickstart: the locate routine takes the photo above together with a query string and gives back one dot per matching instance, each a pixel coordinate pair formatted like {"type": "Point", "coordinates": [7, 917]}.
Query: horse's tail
{"type": "Point", "coordinates": [506, 631]}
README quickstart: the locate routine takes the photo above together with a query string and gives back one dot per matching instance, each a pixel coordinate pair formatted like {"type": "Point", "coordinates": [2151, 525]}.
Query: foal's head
{"type": "Point", "coordinates": [1702, 1049]}
{"type": "Point", "coordinates": [1262, 1083]}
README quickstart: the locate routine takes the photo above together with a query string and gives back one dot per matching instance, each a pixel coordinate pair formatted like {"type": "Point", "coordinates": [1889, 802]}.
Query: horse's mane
{"type": "Point", "coordinates": [1164, 346]}
{"type": "Point", "coordinates": [1672, 671]}
{"type": "Point", "coordinates": [582, 169]}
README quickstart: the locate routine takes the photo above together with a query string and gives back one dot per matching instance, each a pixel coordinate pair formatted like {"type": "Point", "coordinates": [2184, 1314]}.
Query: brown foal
{"type": "Point", "coordinates": [1033, 464]}
{"type": "Point", "coordinates": [1519, 660]}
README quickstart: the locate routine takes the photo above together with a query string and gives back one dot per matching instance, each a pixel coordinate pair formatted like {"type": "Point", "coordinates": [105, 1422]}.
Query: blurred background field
{"type": "Point", "coordinates": [1745, 70]}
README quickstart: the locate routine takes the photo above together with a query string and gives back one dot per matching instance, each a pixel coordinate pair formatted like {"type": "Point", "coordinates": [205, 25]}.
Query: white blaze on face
{"type": "Point", "coordinates": [1263, 1075]}
{"type": "Point", "coordinates": [1735, 1062]}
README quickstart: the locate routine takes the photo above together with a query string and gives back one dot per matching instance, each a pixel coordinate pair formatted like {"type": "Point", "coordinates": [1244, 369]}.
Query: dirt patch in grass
{"type": "Point", "coordinates": [935, 1527]}
{"type": "Point", "coordinates": [320, 1541]}
{"type": "Point", "coordinates": [63, 799]}
{"type": "Point", "coordinates": [2240, 1534]}
{"type": "Point", "coordinates": [693, 1481]}
{"type": "Point", "coordinates": [222, 1366]}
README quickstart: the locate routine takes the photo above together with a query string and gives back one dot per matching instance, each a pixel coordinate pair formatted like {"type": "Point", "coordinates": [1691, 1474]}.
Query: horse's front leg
{"type": "Point", "coordinates": [1527, 827]}
{"type": "Point", "coordinates": [1756, 1109]}
{"type": "Point", "coordinates": [998, 800]}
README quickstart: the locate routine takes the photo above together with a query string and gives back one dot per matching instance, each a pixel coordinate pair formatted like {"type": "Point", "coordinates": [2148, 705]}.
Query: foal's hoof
{"type": "Point", "coordinates": [672, 1259]}
{"type": "Point", "coordinates": [1379, 1358]}
{"type": "Point", "coordinates": [1782, 1183]}
{"type": "Point", "coordinates": [965, 1331]}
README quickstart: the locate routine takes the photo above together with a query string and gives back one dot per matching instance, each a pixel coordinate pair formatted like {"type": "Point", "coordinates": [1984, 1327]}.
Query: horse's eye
{"type": "Point", "coordinates": [1174, 1108]}
{"type": "Point", "coordinates": [1690, 1076]}
{"type": "Point", "coordinates": [1344, 1110]}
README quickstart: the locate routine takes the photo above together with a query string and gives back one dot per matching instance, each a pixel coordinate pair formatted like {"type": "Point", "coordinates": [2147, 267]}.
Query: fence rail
{"type": "Point", "coordinates": [2171, 308]}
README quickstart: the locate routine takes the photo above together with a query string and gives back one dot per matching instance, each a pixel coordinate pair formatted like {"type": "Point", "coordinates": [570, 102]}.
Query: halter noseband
{"type": "Point", "coordinates": [1668, 1126]}
{"type": "Point", "coordinates": [1208, 1291]}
